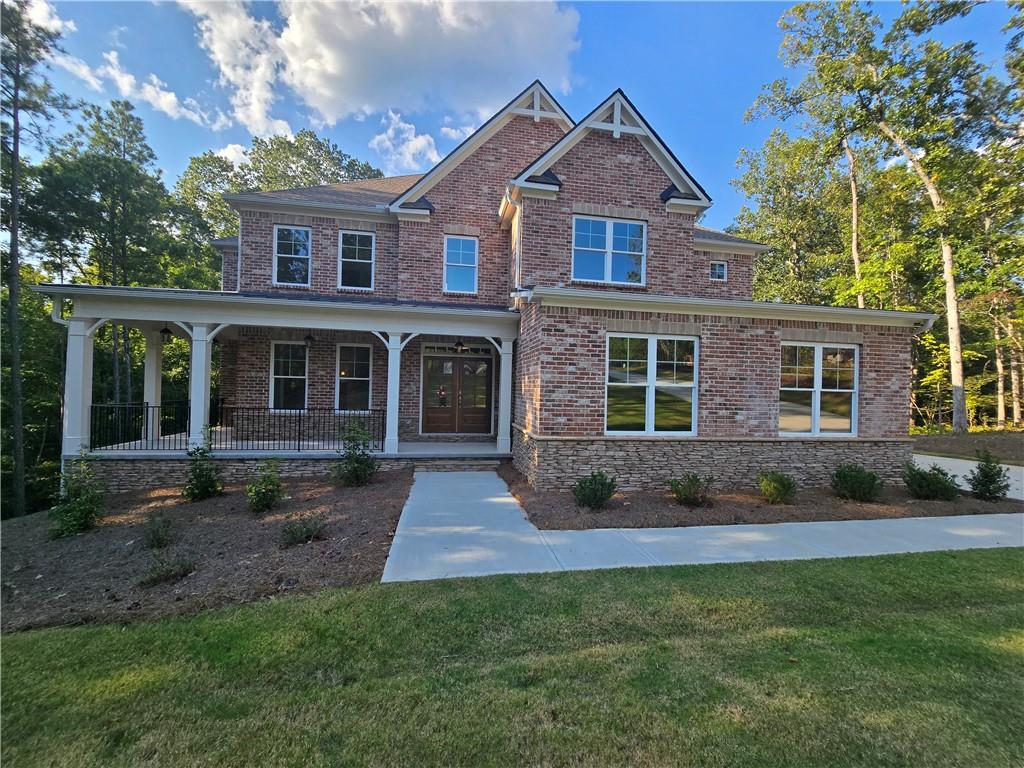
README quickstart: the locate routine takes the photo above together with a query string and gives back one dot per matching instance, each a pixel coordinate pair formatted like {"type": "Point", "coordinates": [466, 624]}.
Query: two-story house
{"type": "Point", "coordinates": [544, 292]}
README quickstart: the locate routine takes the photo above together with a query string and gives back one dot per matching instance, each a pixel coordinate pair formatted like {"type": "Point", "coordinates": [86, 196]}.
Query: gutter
{"type": "Point", "coordinates": [277, 202]}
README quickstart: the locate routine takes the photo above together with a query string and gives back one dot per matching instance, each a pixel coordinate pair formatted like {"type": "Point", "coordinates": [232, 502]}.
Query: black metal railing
{"type": "Point", "coordinates": [243, 428]}
{"type": "Point", "coordinates": [138, 427]}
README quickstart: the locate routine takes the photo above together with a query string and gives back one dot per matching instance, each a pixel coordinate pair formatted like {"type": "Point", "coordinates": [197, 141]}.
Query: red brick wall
{"type": "Point", "coordinates": [229, 270]}
{"type": "Point", "coordinates": [620, 177]}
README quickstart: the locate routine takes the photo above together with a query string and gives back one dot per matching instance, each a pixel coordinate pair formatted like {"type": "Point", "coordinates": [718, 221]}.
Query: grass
{"type": "Point", "coordinates": [906, 660]}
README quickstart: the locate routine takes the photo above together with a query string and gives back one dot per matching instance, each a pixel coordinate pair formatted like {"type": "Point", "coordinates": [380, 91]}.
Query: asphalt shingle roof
{"type": "Point", "coordinates": [706, 233]}
{"type": "Point", "coordinates": [364, 192]}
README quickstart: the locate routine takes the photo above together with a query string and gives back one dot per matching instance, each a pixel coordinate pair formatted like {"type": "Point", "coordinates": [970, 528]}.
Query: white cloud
{"type": "Point", "coordinates": [401, 147]}
{"type": "Point", "coordinates": [79, 69]}
{"type": "Point", "coordinates": [44, 15]}
{"type": "Point", "coordinates": [233, 152]}
{"type": "Point", "coordinates": [152, 91]}
{"type": "Point", "coordinates": [456, 133]}
{"type": "Point", "coordinates": [246, 54]}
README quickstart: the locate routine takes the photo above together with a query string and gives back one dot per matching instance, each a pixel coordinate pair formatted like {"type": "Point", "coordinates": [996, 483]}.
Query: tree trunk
{"type": "Point", "coordinates": [1015, 385]}
{"type": "Point", "coordinates": [854, 219]}
{"type": "Point", "coordinates": [956, 360]}
{"type": "Point", "coordinates": [1000, 380]}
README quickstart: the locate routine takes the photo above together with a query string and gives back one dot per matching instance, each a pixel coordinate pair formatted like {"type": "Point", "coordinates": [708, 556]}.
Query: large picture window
{"type": "Point", "coordinates": [460, 264]}
{"type": "Point", "coordinates": [292, 249]}
{"type": "Point", "coordinates": [288, 363]}
{"type": "Point", "coordinates": [818, 390]}
{"type": "Point", "coordinates": [354, 372]}
{"type": "Point", "coordinates": [355, 260]}
{"type": "Point", "coordinates": [651, 385]}
{"type": "Point", "coordinates": [609, 251]}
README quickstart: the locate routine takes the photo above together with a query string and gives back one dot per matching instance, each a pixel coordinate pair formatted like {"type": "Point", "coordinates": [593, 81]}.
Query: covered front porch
{"type": "Point", "coordinates": [423, 380]}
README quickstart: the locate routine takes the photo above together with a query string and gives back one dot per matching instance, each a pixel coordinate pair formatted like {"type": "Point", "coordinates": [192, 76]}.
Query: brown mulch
{"type": "Point", "coordinates": [93, 577]}
{"type": "Point", "coordinates": [556, 510]}
{"type": "Point", "coordinates": [1007, 446]}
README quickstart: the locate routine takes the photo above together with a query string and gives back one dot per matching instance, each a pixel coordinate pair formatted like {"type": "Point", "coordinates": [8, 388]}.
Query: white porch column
{"type": "Point", "coordinates": [504, 442]}
{"type": "Point", "coordinates": [77, 387]}
{"type": "Point", "coordinates": [394, 372]}
{"type": "Point", "coordinates": [199, 385]}
{"type": "Point", "coordinates": [151, 383]}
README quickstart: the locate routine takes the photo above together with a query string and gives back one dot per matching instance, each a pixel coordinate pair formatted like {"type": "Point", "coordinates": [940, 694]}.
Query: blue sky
{"type": "Point", "coordinates": [399, 84]}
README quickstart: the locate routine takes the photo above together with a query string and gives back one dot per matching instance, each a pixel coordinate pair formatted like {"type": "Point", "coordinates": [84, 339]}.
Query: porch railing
{"type": "Point", "coordinates": [138, 427]}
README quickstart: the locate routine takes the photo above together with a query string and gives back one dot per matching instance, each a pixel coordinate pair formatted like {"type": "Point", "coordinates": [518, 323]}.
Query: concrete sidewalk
{"type": "Point", "coordinates": [468, 524]}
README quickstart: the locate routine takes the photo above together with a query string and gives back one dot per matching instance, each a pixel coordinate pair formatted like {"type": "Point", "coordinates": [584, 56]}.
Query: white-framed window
{"type": "Point", "coordinates": [293, 248]}
{"type": "Point", "coordinates": [719, 271]}
{"type": "Point", "coordinates": [288, 384]}
{"type": "Point", "coordinates": [651, 385]}
{"type": "Point", "coordinates": [818, 389]}
{"type": "Point", "coordinates": [356, 255]}
{"type": "Point", "coordinates": [460, 264]}
{"type": "Point", "coordinates": [355, 377]}
{"type": "Point", "coordinates": [609, 251]}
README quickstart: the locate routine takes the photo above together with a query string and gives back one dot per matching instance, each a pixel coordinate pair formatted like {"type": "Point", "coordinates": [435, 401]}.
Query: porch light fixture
{"type": "Point", "coordinates": [166, 335]}
{"type": "Point", "coordinates": [308, 338]}
{"type": "Point", "coordinates": [460, 347]}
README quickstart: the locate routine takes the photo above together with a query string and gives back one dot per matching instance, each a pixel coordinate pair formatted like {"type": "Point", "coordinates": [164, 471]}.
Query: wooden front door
{"type": "Point", "coordinates": [457, 395]}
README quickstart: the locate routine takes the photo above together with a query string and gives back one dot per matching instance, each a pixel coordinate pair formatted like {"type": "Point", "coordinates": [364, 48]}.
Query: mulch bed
{"type": "Point", "coordinates": [94, 577]}
{"type": "Point", "coordinates": [556, 510]}
{"type": "Point", "coordinates": [1007, 446]}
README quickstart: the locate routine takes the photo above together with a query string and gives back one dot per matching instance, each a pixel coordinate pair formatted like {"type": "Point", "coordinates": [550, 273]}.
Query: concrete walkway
{"type": "Point", "coordinates": [962, 467]}
{"type": "Point", "coordinates": [468, 524]}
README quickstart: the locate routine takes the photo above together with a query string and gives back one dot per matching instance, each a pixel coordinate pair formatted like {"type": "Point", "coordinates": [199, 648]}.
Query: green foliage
{"type": "Point", "coordinates": [594, 490]}
{"type": "Point", "coordinates": [203, 475]}
{"type": "Point", "coordinates": [692, 490]}
{"type": "Point", "coordinates": [852, 481]}
{"type": "Point", "coordinates": [80, 504]}
{"type": "Point", "coordinates": [989, 480]}
{"type": "Point", "coordinates": [157, 533]}
{"type": "Point", "coordinates": [168, 570]}
{"type": "Point", "coordinates": [777, 487]}
{"type": "Point", "coordinates": [266, 489]}
{"type": "Point", "coordinates": [932, 483]}
{"type": "Point", "coordinates": [357, 464]}
{"type": "Point", "coordinates": [302, 531]}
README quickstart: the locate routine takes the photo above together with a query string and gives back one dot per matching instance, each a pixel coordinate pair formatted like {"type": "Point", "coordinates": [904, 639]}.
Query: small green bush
{"type": "Point", "coordinates": [852, 481]}
{"type": "Point", "coordinates": [157, 533]}
{"type": "Point", "coordinates": [302, 531]}
{"type": "Point", "coordinates": [594, 490]}
{"type": "Point", "coordinates": [932, 483]}
{"type": "Point", "coordinates": [266, 488]}
{"type": "Point", "coordinates": [357, 464]}
{"type": "Point", "coordinates": [167, 570]}
{"type": "Point", "coordinates": [203, 475]}
{"type": "Point", "coordinates": [777, 487]}
{"type": "Point", "coordinates": [989, 480]}
{"type": "Point", "coordinates": [80, 504]}
{"type": "Point", "coordinates": [692, 490]}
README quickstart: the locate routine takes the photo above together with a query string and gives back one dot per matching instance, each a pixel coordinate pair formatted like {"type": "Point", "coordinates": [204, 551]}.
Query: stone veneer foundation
{"type": "Point", "coordinates": [554, 463]}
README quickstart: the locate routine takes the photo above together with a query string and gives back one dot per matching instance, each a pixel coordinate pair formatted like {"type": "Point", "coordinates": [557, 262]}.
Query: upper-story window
{"type": "Point", "coordinates": [719, 271]}
{"type": "Point", "coordinates": [292, 255]}
{"type": "Point", "coordinates": [818, 390]}
{"type": "Point", "coordinates": [355, 260]}
{"type": "Point", "coordinates": [609, 251]}
{"type": "Point", "coordinates": [460, 264]}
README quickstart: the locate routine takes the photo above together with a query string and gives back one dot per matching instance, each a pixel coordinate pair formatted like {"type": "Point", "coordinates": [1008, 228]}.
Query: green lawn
{"type": "Point", "coordinates": [913, 660]}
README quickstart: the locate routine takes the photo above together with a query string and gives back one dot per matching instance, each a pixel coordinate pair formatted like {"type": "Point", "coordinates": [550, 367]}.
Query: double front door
{"type": "Point", "coordinates": [457, 395]}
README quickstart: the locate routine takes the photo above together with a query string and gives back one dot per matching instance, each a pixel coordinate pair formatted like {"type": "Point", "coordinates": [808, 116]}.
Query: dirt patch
{"type": "Point", "coordinates": [1008, 446]}
{"type": "Point", "coordinates": [556, 510]}
{"type": "Point", "coordinates": [238, 556]}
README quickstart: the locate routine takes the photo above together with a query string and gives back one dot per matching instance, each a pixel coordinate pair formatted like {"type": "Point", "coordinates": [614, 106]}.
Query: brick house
{"type": "Point", "coordinates": [545, 292]}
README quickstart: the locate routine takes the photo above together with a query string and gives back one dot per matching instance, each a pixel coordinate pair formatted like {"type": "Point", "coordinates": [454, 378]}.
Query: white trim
{"type": "Point", "coordinates": [270, 399]}
{"type": "Point", "coordinates": [609, 252]}
{"type": "Point", "coordinates": [273, 265]}
{"type": "Point", "coordinates": [337, 376]}
{"type": "Point", "coordinates": [816, 391]}
{"type": "Point", "coordinates": [725, 274]}
{"type": "Point", "coordinates": [373, 259]}
{"type": "Point", "coordinates": [719, 246]}
{"type": "Point", "coordinates": [652, 384]}
{"type": "Point", "coordinates": [476, 265]}
{"type": "Point", "coordinates": [259, 202]}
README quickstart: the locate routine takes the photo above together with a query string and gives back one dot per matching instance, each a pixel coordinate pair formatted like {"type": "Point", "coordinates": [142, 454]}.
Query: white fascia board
{"type": "Point", "coordinates": [251, 202]}
{"type": "Point", "coordinates": [574, 297]}
{"type": "Point", "coordinates": [410, 214]}
{"type": "Point", "coordinates": [678, 205]}
{"type": "Point", "coordinates": [161, 305]}
{"type": "Point", "coordinates": [717, 246]}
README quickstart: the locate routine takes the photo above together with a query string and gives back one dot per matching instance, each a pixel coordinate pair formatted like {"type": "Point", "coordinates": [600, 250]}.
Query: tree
{"type": "Point", "coordinates": [27, 98]}
{"type": "Point", "coordinates": [202, 186]}
{"type": "Point", "coordinates": [283, 162]}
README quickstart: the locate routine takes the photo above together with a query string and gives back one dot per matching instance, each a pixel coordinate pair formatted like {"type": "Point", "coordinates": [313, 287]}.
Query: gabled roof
{"type": "Point", "coordinates": [617, 115]}
{"type": "Point", "coordinates": [535, 101]}
{"type": "Point", "coordinates": [362, 192]}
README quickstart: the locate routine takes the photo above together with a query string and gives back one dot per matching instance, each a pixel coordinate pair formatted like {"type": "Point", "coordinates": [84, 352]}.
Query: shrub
{"type": "Point", "coordinates": [80, 503]}
{"type": "Point", "coordinates": [777, 487]}
{"type": "Point", "coordinates": [692, 490]}
{"type": "Point", "coordinates": [266, 488]}
{"type": "Point", "coordinates": [357, 465]}
{"type": "Point", "coordinates": [852, 481]}
{"type": "Point", "coordinates": [302, 531]}
{"type": "Point", "coordinates": [594, 490]}
{"type": "Point", "coordinates": [157, 533]}
{"type": "Point", "coordinates": [167, 570]}
{"type": "Point", "coordinates": [989, 480]}
{"type": "Point", "coordinates": [203, 475]}
{"type": "Point", "coordinates": [933, 483]}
